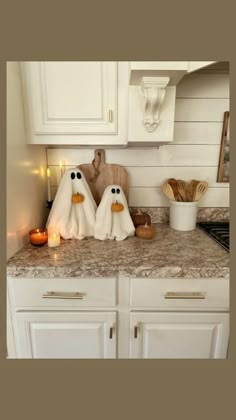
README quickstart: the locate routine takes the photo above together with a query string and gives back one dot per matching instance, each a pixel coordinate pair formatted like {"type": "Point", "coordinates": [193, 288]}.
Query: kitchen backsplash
{"type": "Point", "coordinates": [205, 214]}
{"type": "Point", "coordinates": [201, 102]}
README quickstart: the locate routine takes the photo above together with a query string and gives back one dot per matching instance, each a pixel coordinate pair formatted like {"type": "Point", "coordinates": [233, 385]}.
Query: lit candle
{"type": "Point", "coordinates": [54, 239]}
{"type": "Point", "coordinates": [38, 237]}
{"type": "Point", "coordinates": [49, 186]}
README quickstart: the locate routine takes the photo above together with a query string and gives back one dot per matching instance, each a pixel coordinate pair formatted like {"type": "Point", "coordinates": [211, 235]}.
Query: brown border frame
{"type": "Point", "coordinates": [222, 147]}
{"type": "Point", "coordinates": [112, 389]}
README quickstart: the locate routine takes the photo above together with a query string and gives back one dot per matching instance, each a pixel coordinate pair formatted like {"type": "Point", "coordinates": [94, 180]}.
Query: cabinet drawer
{"type": "Point", "coordinates": [62, 293]}
{"type": "Point", "coordinates": [181, 294]}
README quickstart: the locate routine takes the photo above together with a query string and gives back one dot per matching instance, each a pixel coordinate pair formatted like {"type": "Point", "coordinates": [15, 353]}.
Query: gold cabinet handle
{"type": "Point", "coordinates": [110, 115]}
{"type": "Point", "coordinates": [184, 295]}
{"type": "Point", "coordinates": [63, 295]}
{"type": "Point", "coordinates": [135, 331]}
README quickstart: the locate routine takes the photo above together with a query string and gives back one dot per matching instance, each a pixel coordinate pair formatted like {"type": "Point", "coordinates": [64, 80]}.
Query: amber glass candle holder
{"type": "Point", "coordinates": [38, 237]}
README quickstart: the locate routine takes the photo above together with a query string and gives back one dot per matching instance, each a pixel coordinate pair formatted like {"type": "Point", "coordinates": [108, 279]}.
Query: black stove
{"type": "Point", "coordinates": [218, 231]}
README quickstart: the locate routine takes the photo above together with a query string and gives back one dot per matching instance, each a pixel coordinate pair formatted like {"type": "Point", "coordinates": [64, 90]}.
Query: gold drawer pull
{"type": "Point", "coordinates": [63, 295]}
{"type": "Point", "coordinates": [184, 295]}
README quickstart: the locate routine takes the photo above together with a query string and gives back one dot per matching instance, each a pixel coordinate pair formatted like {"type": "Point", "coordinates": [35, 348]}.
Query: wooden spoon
{"type": "Point", "coordinates": [174, 185]}
{"type": "Point", "coordinates": [182, 188]}
{"type": "Point", "coordinates": [167, 190]}
{"type": "Point", "coordinates": [201, 189]}
{"type": "Point", "coordinates": [192, 189]}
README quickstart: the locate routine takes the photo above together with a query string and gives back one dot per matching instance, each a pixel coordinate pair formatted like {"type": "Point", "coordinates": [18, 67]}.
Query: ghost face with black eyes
{"type": "Point", "coordinates": [113, 219]}
{"type": "Point", "coordinates": [116, 206]}
{"type": "Point", "coordinates": [74, 208]}
{"type": "Point", "coordinates": [77, 197]}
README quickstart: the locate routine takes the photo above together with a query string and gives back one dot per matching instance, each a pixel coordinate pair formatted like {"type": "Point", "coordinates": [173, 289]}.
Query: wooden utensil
{"type": "Point", "coordinates": [192, 189]}
{"type": "Point", "coordinates": [182, 189]}
{"type": "Point", "coordinates": [99, 175]}
{"type": "Point", "coordinates": [167, 190]}
{"type": "Point", "coordinates": [174, 185]}
{"type": "Point", "coordinates": [201, 189]}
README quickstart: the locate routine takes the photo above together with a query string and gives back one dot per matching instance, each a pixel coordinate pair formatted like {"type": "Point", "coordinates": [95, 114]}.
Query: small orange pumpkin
{"type": "Point", "coordinates": [140, 218]}
{"type": "Point", "coordinates": [117, 207]}
{"type": "Point", "coordinates": [77, 198]}
{"type": "Point", "coordinates": [145, 231]}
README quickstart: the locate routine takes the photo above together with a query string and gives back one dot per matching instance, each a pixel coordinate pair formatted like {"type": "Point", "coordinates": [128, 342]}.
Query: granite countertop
{"type": "Point", "coordinates": [170, 254]}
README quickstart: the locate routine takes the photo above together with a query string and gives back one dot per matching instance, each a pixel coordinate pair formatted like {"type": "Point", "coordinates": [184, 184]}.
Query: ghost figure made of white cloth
{"type": "Point", "coordinates": [73, 220]}
{"type": "Point", "coordinates": [109, 224]}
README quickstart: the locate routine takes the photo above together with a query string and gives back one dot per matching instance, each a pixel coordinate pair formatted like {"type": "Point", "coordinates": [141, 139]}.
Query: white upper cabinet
{"type": "Point", "coordinates": [99, 103]}
{"type": "Point", "coordinates": [76, 103]}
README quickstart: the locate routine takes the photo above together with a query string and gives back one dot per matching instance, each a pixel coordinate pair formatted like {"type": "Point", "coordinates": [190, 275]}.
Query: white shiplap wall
{"type": "Point", "coordinates": [26, 175]}
{"type": "Point", "coordinates": [201, 102]}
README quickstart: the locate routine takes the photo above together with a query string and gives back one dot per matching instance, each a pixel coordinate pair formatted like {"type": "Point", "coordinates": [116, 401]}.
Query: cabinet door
{"type": "Point", "coordinates": [87, 335]}
{"type": "Point", "coordinates": [65, 99]}
{"type": "Point", "coordinates": [179, 335]}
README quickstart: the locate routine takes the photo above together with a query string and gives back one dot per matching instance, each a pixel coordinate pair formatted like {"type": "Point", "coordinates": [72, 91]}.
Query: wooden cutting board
{"type": "Point", "coordinates": [99, 175]}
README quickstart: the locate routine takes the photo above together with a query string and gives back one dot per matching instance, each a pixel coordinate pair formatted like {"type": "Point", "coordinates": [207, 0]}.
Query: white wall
{"type": "Point", "coordinates": [26, 170]}
{"type": "Point", "coordinates": [201, 101]}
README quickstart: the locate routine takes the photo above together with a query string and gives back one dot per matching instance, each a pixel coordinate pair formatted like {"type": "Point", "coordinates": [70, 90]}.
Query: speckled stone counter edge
{"type": "Point", "coordinates": [169, 254]}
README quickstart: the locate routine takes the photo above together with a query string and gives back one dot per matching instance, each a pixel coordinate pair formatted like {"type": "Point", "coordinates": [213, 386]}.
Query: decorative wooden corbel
{"type": "Point", "coordinates": [153, 90]}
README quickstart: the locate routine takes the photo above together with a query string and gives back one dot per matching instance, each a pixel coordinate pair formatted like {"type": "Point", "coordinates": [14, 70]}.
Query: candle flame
{"type": "Point", "coordinates": [54, 235]}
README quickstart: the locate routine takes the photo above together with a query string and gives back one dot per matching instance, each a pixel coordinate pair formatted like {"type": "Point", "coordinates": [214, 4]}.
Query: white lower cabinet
{"type": "Point", "coordinates": [88, 335]}
{"type": "Point", "coordinates": [123, 318]}
{"type": "Point", "coordinates": [179, 335]}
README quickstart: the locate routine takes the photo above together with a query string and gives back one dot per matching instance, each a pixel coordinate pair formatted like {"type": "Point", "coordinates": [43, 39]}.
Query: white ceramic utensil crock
{"type": "Point", "coordinates": [183, 215]}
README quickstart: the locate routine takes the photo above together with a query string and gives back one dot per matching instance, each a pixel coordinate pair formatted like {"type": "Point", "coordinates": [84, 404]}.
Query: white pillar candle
{"type": "Point", "coordinates": [54, 239]}
{"type": "Point", "coordinates": [49, 186]}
